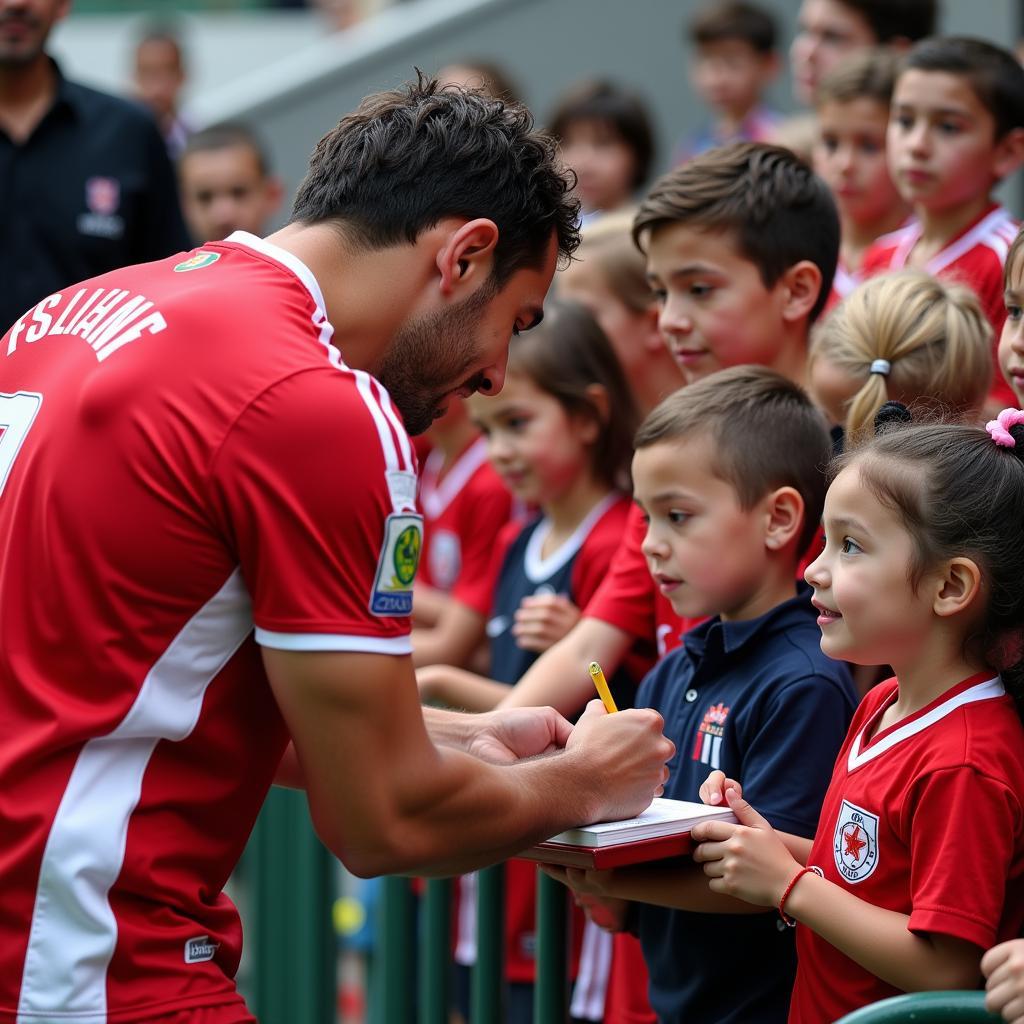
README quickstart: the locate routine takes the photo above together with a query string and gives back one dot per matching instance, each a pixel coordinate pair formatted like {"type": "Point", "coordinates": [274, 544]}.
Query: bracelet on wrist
{"type": "Point", "coordinates": [789, 921]}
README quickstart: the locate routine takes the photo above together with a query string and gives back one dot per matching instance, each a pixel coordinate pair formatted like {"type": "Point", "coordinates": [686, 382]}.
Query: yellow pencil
{"type": "Point", "coordinates": [602, 687]}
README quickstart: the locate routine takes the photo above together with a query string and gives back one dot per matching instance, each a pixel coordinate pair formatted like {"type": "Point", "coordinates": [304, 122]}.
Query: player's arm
{"type": "Point", "coordinates": [385, 798]}
{"type": "Point", "coordinates": [559, 676]}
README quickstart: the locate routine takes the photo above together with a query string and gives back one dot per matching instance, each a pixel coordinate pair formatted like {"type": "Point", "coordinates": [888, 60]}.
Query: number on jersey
{"type": "Point", "coordinates": [17, 412]}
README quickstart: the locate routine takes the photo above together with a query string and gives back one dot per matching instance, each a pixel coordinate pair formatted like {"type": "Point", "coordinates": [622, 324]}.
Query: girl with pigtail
{"type": "Point", "coordinates": [905, 336]}
{"type": "Point", "coordinates": [917, 866]}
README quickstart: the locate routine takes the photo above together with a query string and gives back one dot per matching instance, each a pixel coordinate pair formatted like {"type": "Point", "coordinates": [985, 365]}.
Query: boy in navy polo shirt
{"type": "Point", "coordinates": [729, 474]}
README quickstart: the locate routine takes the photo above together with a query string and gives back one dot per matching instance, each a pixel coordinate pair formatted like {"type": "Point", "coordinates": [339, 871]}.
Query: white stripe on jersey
{"type": "Point", "coordinates": [987, 690]}
{"type": "Point", "coordinates": [334, 642]}
{"type": "Point", "coordinates": [400, 432]}
{"type": "Point", "coordinates": [73, 931]}
{"type": "Point", "coordinates": [716, 752]}
{"type": "Point", "coordinates": [588, 995]}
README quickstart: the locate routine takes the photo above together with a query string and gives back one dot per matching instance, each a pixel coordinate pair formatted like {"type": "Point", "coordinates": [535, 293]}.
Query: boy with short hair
{"type": "Point", "coordinates": [729, 474]}
{"type": "Point", "coordinates": [741, 247]}
{"type": "Point", "coordinates": [956, 130]}
{"type": "Point", "coordinates": [226, 183]}
{"type": "Point", "coordinates": [734, 62]}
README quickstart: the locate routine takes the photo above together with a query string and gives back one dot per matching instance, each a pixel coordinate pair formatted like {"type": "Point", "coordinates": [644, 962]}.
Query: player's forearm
{"type": "Point", "coordinates": [878, 939]}
{"type": "Point", "coordinates": [459, 813]}
{"type": "Point", "coordinates": [559, 676]}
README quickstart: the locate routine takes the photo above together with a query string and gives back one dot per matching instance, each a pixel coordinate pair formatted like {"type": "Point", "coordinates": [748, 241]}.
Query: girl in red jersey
{"type": "Point", "coordinates": [917, 866]}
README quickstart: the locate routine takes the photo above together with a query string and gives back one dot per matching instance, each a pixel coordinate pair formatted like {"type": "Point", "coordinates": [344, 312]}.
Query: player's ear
{"type": "Point", "coordinates": [802, 286]}
{"type": "Point", "coordinates": [783, 517]}
{"type": "Point", "coordinates": [466, 256]}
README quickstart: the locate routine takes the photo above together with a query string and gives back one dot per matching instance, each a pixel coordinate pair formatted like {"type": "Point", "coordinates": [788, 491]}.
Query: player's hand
{"type": "Point", "coordinates": [587, 888]}
{"type": "Point", "coordinates": [625, 754]}
{"type": "Point", "coordinates": [507, 735]}
{"type": "Point", "coordinates": [712, 789]}
{"type": "Point", "coordinates": [542, 620]}
{"type": "Point", "coordinates": [747, 860]}
{"type": "Point", "coordinates": [1003, 967]}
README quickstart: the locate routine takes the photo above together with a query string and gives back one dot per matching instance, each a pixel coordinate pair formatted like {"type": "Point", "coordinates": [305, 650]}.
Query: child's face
{"type": "Point", "coordinates": [868, 611]}
{"type": "Point", "coordinates": [941, 141]}
{"type": "Point", "coordinates": [225, 190]}
{"type": "Point", "coordinates": [538, 449]}
{"type": "Point", "coordinates": [715, 310]}
{"type": "Point", "coordinates": [705, 552]}
{"type": "Point", "coordinates": [849, 156]}
{"type": "Point", "coordinates": [604, 164]}
{"type": "Point", "coordinates": [729, 75]}
{"type": "Point", "coordinates": [1011, 341]}
{"type": "Point", "coordinates": [159, 75]}
{"type": "Point", "coordinates": [827, 31]}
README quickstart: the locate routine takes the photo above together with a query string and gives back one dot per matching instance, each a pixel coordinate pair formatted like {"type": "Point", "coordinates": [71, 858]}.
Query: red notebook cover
{"type": "Point", "coordinates": [614, 856]}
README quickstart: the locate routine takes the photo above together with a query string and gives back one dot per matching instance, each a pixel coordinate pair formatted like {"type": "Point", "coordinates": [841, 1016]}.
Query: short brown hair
{"type": "Point", "coordinates": [770, 200]}
{"type": "Point", "coordinates": [890, 20]}
{"type": "Point", "coordinates": [868, 75]}
{"type": "Point", "coordinates": [765, 431]}
{"type": "Point", "coordinates": [733, 19]}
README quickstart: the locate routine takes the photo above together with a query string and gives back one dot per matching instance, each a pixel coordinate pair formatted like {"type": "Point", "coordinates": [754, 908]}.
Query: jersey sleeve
{"type": "Point", "coordinates": [302, 488]}
{"type": "Point", "coordinates": [625, 597]}
{"type": "Point", "coordinates": [802, 725]}
{"type": "Point", "coordinates": [485, 518]}
{"type": "Point", "coordinates": [964, 829]}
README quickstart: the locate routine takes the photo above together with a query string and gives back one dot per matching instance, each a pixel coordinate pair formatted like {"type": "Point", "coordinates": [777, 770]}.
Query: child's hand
{"type": "Point", "coordinates": [542, 620]}
{"type": "Point", "coordinates": [712, 789]}
{"type": "Point", "coordinates": [747, 860]}
{"type": "Point", "coordinates": [1003, 966]}
{"type": "Point", "coordinates": [587, 888]}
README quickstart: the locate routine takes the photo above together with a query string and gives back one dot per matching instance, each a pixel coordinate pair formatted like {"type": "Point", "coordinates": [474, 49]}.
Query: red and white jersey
{"type": "Point", "coordinates": [188, 470]}
{"type": "Point", "coordinates": [975, 258]}
{"type": "Point", "coordinates": [924, 818]}
{"type": "Point", "coordinates": [463, 513]}
{"type": "Point", "coordinates": [843, 283]}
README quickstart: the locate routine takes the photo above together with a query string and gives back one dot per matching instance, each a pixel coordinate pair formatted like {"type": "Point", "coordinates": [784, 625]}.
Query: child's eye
{"type": "Point", "coordinates": [677, 518]}
{"type": "Point", "coordinates": [1012, 312]}
{"type": "Point", "coordinates": [659, 295]}
{"type": "Point", "coordinates": [700, 291]}
{"type": "Point", "coordinates": [949, 128]}
{"type": "Point", "coordinates": [849, 546]}
{"type": "Point", "coordinates": [830, 142]}
{"type": "Point", "coordinates": [517, 423]}
{"type": "Point", "coordinates": [905, 121]}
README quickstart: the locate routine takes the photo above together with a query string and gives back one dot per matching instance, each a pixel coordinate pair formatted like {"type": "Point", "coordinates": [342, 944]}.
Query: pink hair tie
{"type": "Point", "coordinates": [999, 428]}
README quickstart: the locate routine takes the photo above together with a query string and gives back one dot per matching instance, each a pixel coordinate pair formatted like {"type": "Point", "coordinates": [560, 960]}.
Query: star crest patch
{"type": "Point", "coordinates": [855, 843]}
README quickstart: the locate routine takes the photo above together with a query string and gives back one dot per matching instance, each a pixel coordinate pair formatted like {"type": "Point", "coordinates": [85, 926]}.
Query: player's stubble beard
{"type": "Point", "coordinates": [430, 357]}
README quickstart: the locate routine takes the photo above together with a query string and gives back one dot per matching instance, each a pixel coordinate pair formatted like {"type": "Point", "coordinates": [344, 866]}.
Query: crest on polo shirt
{"type": "Point", "coordinates": [396, 565]}
{"type": "Point", "coordinates": [445, 558]}
{"type": "Point", "coordinates": [707, 745]}
{"type": "Point", "coordinates": [855, 843]}
{"type": "Point", "coordinates": [102, 200]}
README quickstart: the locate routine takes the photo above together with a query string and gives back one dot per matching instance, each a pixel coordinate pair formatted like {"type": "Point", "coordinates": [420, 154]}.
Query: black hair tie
{"type": "Point", "coordinates": [890, 414]}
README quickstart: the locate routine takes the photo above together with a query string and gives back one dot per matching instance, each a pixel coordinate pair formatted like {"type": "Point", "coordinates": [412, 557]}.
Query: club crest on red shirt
{"type": "Point", "coordinates": [855, 842]}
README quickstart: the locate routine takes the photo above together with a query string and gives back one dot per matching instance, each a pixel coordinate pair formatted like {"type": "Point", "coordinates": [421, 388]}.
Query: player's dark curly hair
{"type": "Point", "coordinates": [405, 159]}
{"type": "Point", "coordinates": [958, 493]}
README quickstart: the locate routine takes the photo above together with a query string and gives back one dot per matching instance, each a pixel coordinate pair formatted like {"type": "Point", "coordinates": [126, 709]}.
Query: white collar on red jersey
{"type": "Point", "coordinates": [985, 690]}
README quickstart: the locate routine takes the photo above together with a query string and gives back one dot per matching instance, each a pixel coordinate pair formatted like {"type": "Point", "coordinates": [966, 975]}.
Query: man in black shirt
{"type": "Point", "coordinates": [85, 181]}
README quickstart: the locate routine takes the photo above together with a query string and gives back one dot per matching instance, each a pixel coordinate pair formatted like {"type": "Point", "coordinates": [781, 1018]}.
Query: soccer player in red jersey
{"type": "Point", "coordinates": [208, 540]}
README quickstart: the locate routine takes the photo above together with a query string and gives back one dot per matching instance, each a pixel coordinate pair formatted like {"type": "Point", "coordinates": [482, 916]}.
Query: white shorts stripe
{"type": "Point", "coordinates": [588, 994]}
{"type": "Point", "coordinates": [73, 931]}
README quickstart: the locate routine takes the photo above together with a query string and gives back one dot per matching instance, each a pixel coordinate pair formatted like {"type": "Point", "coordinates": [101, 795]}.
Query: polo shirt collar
{"type": "Point", "coordinates": [730, 637]}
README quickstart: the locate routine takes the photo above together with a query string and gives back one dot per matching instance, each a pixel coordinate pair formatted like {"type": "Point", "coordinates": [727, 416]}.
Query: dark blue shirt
{"type": "Point", "coordinates": [758, 700]}
{"type": "Point", "coordinates": [90, 190]}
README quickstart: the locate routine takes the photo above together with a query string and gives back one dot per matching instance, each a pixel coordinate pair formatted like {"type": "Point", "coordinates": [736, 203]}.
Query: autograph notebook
{"type": "Point", "coordinates": [663, 830]}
